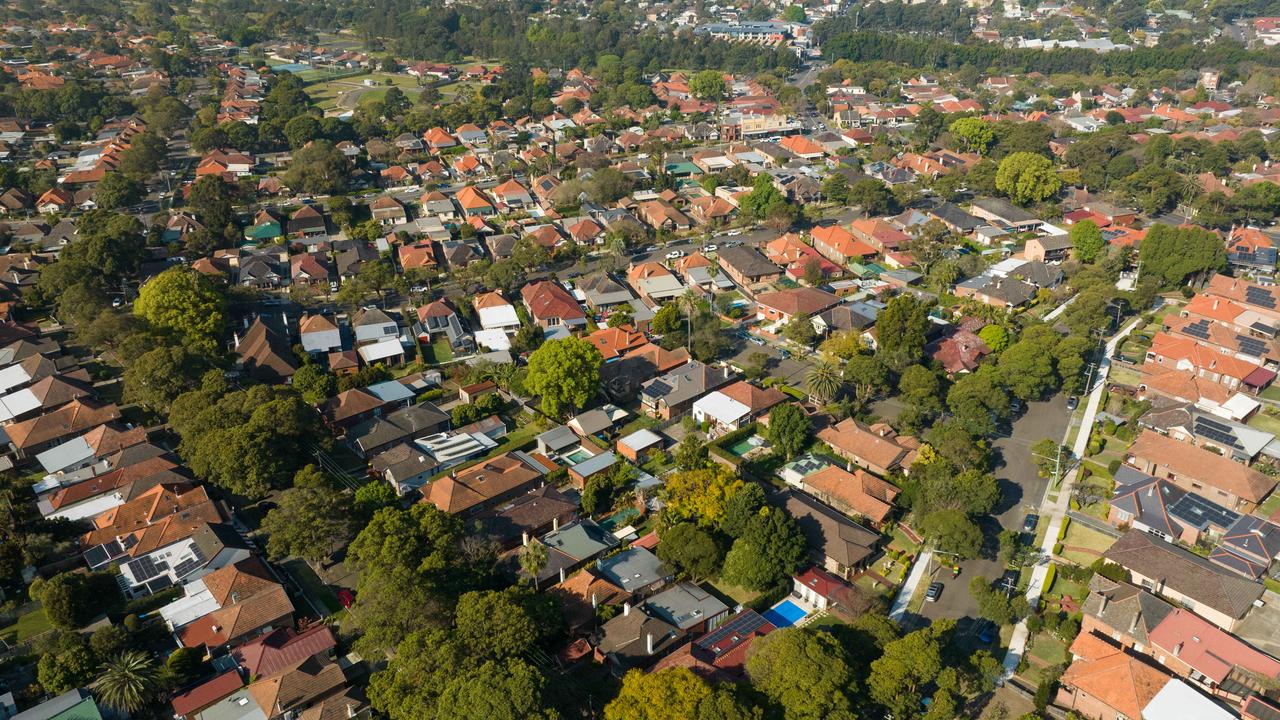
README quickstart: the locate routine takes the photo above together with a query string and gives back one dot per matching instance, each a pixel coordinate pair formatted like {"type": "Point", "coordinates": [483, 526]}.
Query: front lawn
{"type": "Point", "coordinates": [26, 627]}
{"type": "Point", "coordinates": [1091, 544]}
{"type": "Point", "coordinates": [742, 596]}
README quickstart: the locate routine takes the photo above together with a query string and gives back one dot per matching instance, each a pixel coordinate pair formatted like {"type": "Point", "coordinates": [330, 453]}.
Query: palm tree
{"type": "Point", "coordinates": [824, 381]}
{"type": "Point", "coordinates": [127, 681]}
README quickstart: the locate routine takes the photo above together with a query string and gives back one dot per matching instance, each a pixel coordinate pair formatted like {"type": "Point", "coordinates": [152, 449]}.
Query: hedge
{"type": "Point", "coordinates": [1049, 577]}
{"type": "Point", "coordinates": [1062, 531]}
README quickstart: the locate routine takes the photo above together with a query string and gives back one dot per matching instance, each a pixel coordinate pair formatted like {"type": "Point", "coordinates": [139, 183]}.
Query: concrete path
{"type": "Point", "coordinates": [1055, 510]}
{"type": "Point", "coordinates": [908, 589]}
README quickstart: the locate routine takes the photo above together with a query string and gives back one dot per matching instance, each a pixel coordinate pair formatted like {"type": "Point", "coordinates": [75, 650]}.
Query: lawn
{"type": "Point", "coordinates": [1265, 422]}
{"type": "Point", "coordinates": [326, 94]}
{"type": "Point", "coordinates": [313, 586]}
{"type": "Point", "coordinates": [1049, 649]}
{"type": "Point", "coordinates": [1080, 536]}
{"type": "Point", "coordinates": [438, 352]}
{"type": "Point", "coordinates": [742, 596]}
{"type": "Point", "coordinates": [26, 627]}
{"type": "Point", "coordinates": [1270, 507]}
{"type": "Point", "coordinates": [1272, 392]}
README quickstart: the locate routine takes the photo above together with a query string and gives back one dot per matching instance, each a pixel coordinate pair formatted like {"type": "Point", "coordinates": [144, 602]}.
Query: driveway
{"type": "Point", "coordinates": [1021, 489]}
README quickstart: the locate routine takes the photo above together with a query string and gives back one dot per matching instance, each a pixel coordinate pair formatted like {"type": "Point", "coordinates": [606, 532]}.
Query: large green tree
{"type": "Point", "coordinates": [690, 550]}
{"type": "Point", "coordinates": [310, 520]}
{"type": "Point", "coordinates": [1175, 254]}
{"type": "Point", "coordinates": [1027, 178]}
{"type": "Point", "coordinates": [789, 429]}
{"type": "Point", "coordinates": [805, 673]}
{"type": "Point", "coordinates": [129, 681]}
{"type": "Point", "coordinates": [770, 549]}
{"type": "Point", "coordinates": [185, 303]}
{"type": "Point", "coordinates": [900, 331]}
{"type": "Point", "coordinates": [1086, 240]}
{"type": "Point", "coordinates": [565, 374]}
{"type": "Point", "coordinates": [901, 676]}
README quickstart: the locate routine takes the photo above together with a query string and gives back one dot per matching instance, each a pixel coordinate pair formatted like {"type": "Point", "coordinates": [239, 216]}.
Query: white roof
{"type": "Point", "coordinates": [65, 455]}
{"type": "Point", "coordinates": [721, 407]}
{"type": "Point", "coordinates": [17, 403]}
{"type": "Point", "coordinates": [381, 350]}
{"type": "Point", "coordinates": [1178, 701]}
{"type": "Point", "coordinates": [493, 339]}
{"type": "Point", "coordinates": [499, 316]}
{"type": "Point", "coordinates": [13, 376]}
{"type": "Point", "coordinates": [1240, 406]}
{"type": "Point", "coordinates": [641, 439]}
{"type": "Point", "coordinates": [390, 391]}
{"type": "Point", "coordinates": [196, 602]}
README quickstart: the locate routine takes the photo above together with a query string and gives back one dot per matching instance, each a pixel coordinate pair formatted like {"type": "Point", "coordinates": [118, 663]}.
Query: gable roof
{"type": "Point", "coordinates": [1208, 467]}
{"type": "Point", "coordinates": [1117, 679]}
{"type": "Point", "coordinates": [268, 654]}
{"type": "Point", "coordinates": [1185, 573]}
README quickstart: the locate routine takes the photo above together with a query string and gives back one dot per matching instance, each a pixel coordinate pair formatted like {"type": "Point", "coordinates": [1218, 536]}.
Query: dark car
{"type": "Point", "coordinates": [1073, 402]}
{"type": "Point", "coordinates": [1030, 522]}
{"type": "Point", "coordinates": [933, 593]}
{"type": "Point", "coordinates": [1016, 406]}
{"type": "Point", "coordinates": [986, 631]}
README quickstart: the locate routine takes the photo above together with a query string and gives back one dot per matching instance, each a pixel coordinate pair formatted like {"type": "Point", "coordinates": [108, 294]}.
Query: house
{"type": "Point", "coordinates": [31, 437]}
{"type": "Point", "coordinates": [1220, 663]}
{"type": "Point", "coordinates": [826, 592]}
{"type": "Point", "coordinates": [511, 194]}
{"type": "Point", "coordinates": [688, 607]}
{"type": "Point", "coordinates": [75, 704]}
{"type": "Point", "coordinates": [551, 306]}
{"type": "Point", "coordinates": [1200, 471]}
{"type": "Point", "coordinates": [532, 514]}
{"type": "Point", "coordinates": [228, 606]}
{"type": "Point", "coordinates": [837, 544]}
{"type": "Point", "coordinates": [1122, 612]}
{"type": "Point", "coordinates": [580, 473]}
{"type": "Point", "coordinates": [838, 245]}
{"type": "Point", "coordinates": [879, 234]}
{"type": "Point", "coordinates": [1165, 510]}
{"type": "Point", "coordinates": [310, 269]}
{"type": "Point", "coordinates": [876, 448]}
{"type": "Point", "coordinates": [858, 494]}
{"type": "Point", "coordinates": [439, 317]}
{"type": "Point", "coordinates": [614, 342]}
{"type": "Point", "coordinates": [996, 291]}
{"type": "Point", "coordinates": [265, 355]}
{"type": "Point", "coordinates": [407, 423]}
{"type": "Point", "coordinates": [783, 306]}
{"type": "Point", "coordinates": [488, 484]}
{"type": "Point", "coordinates": [1215, 593]}
{"type": "Point", "coordinates": [1250, 249]}
{"type": "Point", "coordinates": [1004, 214]}
{"type": "Point", "coordinates": [634, 638]}
{"type": "Point", "coordinates": [654, 282]}
{"type": "Point", "coordinates": [640, 445]}
{"type": "Point", "coordinates": [662, 215]}
{"type": "Point", "coordinates": [319, 334]}
{"type": "Point", "coordinates": [307, 221]}
{"type": "Point", "coordinates": [1112, 214]}
{"type": "Point", "coordinates": [374, 325]}
{"type": "Point", "coordinates": [1050, 248]}
{"type": "Point", "coordinates": [957, 350]}
{"type": "Point", "coordinates": [1248, 546]}
{"type": "Point", "coordinates": [735, 406]}
{"type": "Point", "coordinates": [496, 313]}
{"type": "Point", "coordinates": [474, 203]}
{"type": "Point", "coordinates": [388, 211]}
{"type": "Point", "coordinates": [747, 267]}
{"type": "Point", "coordinates": [351, 407]}
{"type": "Point", "coordinates": [603, 293]}
{"type": "Point", "coordinates": [1107, 683]}
{"type": "Point", "coordinates": [673, 394]}
{"type": "Point", "coordinates": [278, 650]}
{"type": "Point", "coordinates": [622, 378]}
{"type": "Point", "coordinates": [572, 547]}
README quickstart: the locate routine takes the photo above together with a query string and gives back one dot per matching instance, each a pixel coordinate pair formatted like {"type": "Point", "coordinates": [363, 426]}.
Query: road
{"type": "Point", "coordinates": [1021, 487]}
{"type": "Point", "coordinates": [1053, 507]}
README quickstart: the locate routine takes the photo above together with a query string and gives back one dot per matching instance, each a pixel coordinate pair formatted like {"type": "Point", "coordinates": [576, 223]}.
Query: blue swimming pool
{"type": "Point", "coordinates": [291, 67]}
{"type": "Point", "coordinates": [784, 614]}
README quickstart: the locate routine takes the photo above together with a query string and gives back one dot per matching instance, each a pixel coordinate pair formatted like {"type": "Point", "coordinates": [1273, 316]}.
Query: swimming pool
{"type": "Point", "coordinates": [578, 456]}
{"type": "Point", "coordinates": [745, 445]}
{"type": "Point", "coordinates": [291, 67]}
{"type": "Point", "coordinates": [784, 614]}
{"type": "Point", "coordinates": [619, 519]}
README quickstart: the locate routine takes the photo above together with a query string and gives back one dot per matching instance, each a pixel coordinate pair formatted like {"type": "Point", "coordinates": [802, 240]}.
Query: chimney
{"type": "Point", "coordinates": [1133, 624]}
{"type": "Point", "coordinates": [561, 574]}
{"type": "Point", "coordinates": [648, 643]}
{"type": "Point", "coordinates": [1102, 607]}
{"type": "Point", "coordinates": [1177, 650]}
{"type": "Point", "coordinates": [594, 602]}
{"type": "Point", "coordinates": [524, 539]}
{"type": "Point", "coordinates": [555, 524]}
{"type": "Point", "coordinates": [626, 609]}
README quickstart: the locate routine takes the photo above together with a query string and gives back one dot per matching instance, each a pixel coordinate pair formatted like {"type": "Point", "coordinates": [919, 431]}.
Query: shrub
{"type": "Point", "coordinates": [1049, 576]}
{"type": "Point", "coordinates": [1113, 467]}
{"type": "Point", "coordinates": [1057, 549]}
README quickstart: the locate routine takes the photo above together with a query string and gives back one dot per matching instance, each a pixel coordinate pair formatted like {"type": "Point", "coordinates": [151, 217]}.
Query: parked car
{"type": "Point", "coordinates": [1073, 402]}
{"type": "Point", "coordinates": [1030, 522]}
{"type": "Point", "coordinates": [986, 631]}
{"type": "Point", "coordinates": [756, 340]}
{"type": "Point", "coordinates": [710, 248]}
{"type": "Point", "coordinates": [933, 593]}
{"type": "Point", "coordinates": [675, 254]}
{"type": "Point", "coordinates": [1016, 406]}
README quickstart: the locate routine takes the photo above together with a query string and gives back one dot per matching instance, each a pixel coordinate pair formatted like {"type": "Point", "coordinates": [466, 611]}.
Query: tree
{"type": "Point", "coordinates": [372, 497]}
{"type": "Point", "coordinates": [835, 187]}
{"type": "Point", "coordinates": [128, 681]}
{"type": "Point", "coordinates": [1086, 240]}
{"type": "Point", "coordinates": [72, 600]}
{"type": "Point", "coordinates": [901, 329]}
{"type": "Point", "coordinates": [158, 376]}
{"type": "Point", "coordinates": [804, 672]}
{"type": "Point", "coordinates": [66, 662]}
{"type": "Point", "coordinates": [318, 168]}
{"type": "Point", "coordinates": [995, 336]}
{"type": "Point", "coordinates": [770, 549]}
{"type": "Point", "coordinates": [533, 558]}
{"type": "Point", "coordinates": [117, 190]}
{"type": "Point", "coordinates": [872, 196]}
{"type": "Point", "coordinates": [183, 302]}
{"type": "Point", "coordinates": [670, 694]}
{"type": "Point", "coordinates": [565, 374]}
{"type": "Point", "coordinates": [301, 130]}
{"type": "Point", "coordinates": [699, 495]}
{"type": "Point", "coordinates": [869, 377]}
{"type": "Point", "coordinates": [996, 605]}
{"type": "Point", "coordinates": [907, 666]}
{"type": "Point", "coordinates": [310, 519]}
{"type": "Point", "coordinates": [800, 330]}
{"type": "Point", "coordinates": [314, 383]}
{"type": "Point", "coordinates": [507, 690]}
{"type": "Point", "coordinates": [823, 381]}
{"type": "Point", "coordinates": [1174, 254]}
{"type": "Point", "coordinates": [497, 623]}
{"type": "Point", "coordinates": [794, 14]}
{"type": "Point", "coordinates": [211, 200]}
{"type": "Point", "coordinates": [953, 532]}
{"type": "Point", "coordinates": [789, 429]}
{"type": "Point", "coordinates": [707, 84]}
{"type": "Point", "coordinates": [765, 199]}
{"type": "Point", "coordinates": [743, 504]}
{"type": "Point", "coordinates": [975, 132]}
{"type": "Point", "coordinates": [691, 453]}
{"type": "Point", "coordinates": [667, 319]}
{"type": "Point", "coordinates": [690, 550]}
{"type": "Point", "coordinates": [1027, 368]}
{"type": "Point", "coordinates": [1027, 178]}
{"type": "Point", "coordinates": [621, 317]}
{"type": "Point", "coordinates": [977, 400]}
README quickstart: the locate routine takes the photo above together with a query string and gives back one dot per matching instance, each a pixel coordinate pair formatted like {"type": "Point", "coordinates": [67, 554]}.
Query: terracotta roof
{"type": "Point", "coordinates": [297, 686]}
{"type": "Point", "coordinates": [1206, 466]}
{"type": "Point", "coordinates": [109, 481]}
{"type": "Point", "coordinates": [161, 516]}
{"type": "Point", "coordinates": [1117, 679]}
{"type": "Point", "coordinates": [798, 302]}
{"type": "Point", "coordinates": [863, 493]}
{"type": "Point", "coordinates": [614, 342]}
{"type": "Point", "coordinates": [480, 483]}
{"type": "Point", "coordinates": [271, 606]}
{"type": "Point", "coordinates": [1208, 649]}
{"type": "Point", "coordinates": [489, 300]}
{"type": "Point", "coordinates": [316, 323]}
{"type": "Point", "coordinates": [268, 654]}
{"type": "Point", "coordinates": [349, 404]}
{"type": "Point", "coordinates": [547, 299]}
{"type": "Point", "coordinates": [469, 198]}
{"type": "Point", "coordinates": [75, 417]}
{"type": "Point", "coordinates": [207, 693]}
{"type": "Point", "coordinates": [877, 445]}
{"type": "Point", "coordinates": [755, 398]}
{"type": "Point", "coordinates": [576, 595]}
{"type": "Point", "coordinates": [266, 355]}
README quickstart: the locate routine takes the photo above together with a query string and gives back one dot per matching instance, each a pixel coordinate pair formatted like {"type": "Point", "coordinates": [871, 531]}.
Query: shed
{"type": "Point", "coordinates": [637, 446]}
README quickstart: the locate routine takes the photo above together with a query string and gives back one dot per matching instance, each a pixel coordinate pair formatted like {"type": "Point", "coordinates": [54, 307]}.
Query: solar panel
{"type": "Point", "coordinates": [1201, 512]}
{"type": "Point", "coordinates": [1197, 331]}
{"type": "Point", "coordinates": [159, 583]}
{"type": "Point", "coordinates": [1259, 296]}
{"type": "Point", "coordinates": [746, 622]}
{"type": "Point", "coordinates": [185, 567]}
{"type": "Point", "coordinates": [1251, 346]}
{"type": "Point", "coordinates": [96, 556]}
{"type": "Point", "coordinates": [142, 569]}
{"type": "Point", "coordinates": [1264, 329]}
{"type": "Point", "coordinates": [1216, 432]}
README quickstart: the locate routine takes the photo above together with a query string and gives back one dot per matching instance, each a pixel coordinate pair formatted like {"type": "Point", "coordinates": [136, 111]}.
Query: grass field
{"type": "Point", "coordinates": [1083, 537]}
{"type": "Point", "coordinates": [26, 627]}
{"type": "Point", "coordinates": [348, 92]}
{"type": "Point", "coordinates": [739, 595]}
{"type": "Point", "coordinates": [1265, 422]}
{"type": "Point", "coordinates": [438, 352]}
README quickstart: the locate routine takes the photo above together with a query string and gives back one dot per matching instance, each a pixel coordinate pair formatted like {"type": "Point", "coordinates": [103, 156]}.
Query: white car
{"type": "Point", "coordinates": [734, 233]}
{"type": "Point", "coordinates": [675, 254]}
{"type": "Point", "coordinates": [710, 248]}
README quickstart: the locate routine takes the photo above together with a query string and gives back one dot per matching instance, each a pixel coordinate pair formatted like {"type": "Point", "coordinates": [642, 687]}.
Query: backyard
{"type": "Point", "coordinates": [28, 625]}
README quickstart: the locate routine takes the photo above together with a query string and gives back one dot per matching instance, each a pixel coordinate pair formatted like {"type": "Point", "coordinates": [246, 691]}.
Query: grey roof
{"type": "Point", "coordinates": [402, 424]}
{"type": "Point", "coordinates": [595, 464]}
{"type": "Point", "coordinates": [1125, 607]}
{"type": "Point", "coordinates": [1185, 573]}
{"type": "Point", "coordinates": [953, 215]}
{"type": "Point", "coordinates": [581, 540]}
{"type": "Point", "coordinates": [806, 465]}
{"type": "Point", "coordinates": [592, 421]}
{"type": "Point", "coordinates": [685, 605]}
{"type": "Point", "coordinates": [602, 290]}
{"type": "Point", "coordinates": [1253, 538]}
{"type": "Point", "coordinates": [1004, 210]}
{"type": "Point", "coordinates": [1038, 273]}
{"type": "Point", "coordinates": [829, 533]}
{"type": "Point", "coordinates": [748, 262]}
{"type": "Point", "coordinates": [56, 706]}
{"type": "Point", "coordinates": [557, 438]}
{"type": "Point", "coordinates": [684, 384]}
{"type": "Point", "coordinates": [632, 569]}
{"type": "Point", "coordinates": [1147, 499]}
{"type": "Point", "coordinates": [625, 636]}
{"type": "Point", "coordinates": [641, 439]}
{"type": "Point", "coordinates": [1056, 242]}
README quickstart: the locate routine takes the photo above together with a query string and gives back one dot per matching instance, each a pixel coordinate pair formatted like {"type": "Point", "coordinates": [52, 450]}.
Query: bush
{"type": "Point", "coordinates": [1187, 292]}
{"type": "Point", "coordinates": [1042, 695]}
{"type": "Point", "coordinates": [1113, 467]}
{"type": "Point", "coordinates": [1049, 576]}
{"type": "Point", "coordinates": [1057, 549]}
{"type": "Point", "coordinates": [1062, 531]}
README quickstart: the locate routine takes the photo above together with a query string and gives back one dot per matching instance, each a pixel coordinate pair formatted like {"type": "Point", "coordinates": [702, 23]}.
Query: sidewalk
{"type": "Point", "coordinates": [909, 586]}
{"type": "Point", "coordinates": [1056, 509]}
